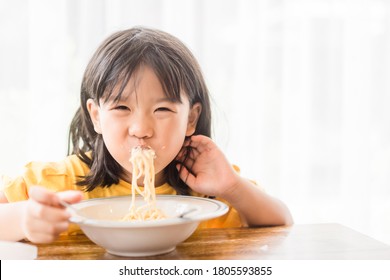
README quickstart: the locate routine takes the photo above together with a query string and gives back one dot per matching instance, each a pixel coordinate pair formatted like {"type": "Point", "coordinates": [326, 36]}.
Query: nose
{"type": "Point", "coordinates": [141, 127]}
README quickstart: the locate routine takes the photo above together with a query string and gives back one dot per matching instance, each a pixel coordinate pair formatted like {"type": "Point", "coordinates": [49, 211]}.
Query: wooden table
{"type": "Point", "coordinates": [299, 242]}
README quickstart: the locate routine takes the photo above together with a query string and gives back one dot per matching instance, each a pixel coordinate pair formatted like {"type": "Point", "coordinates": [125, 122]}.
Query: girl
{"type": "Point", "coordinates": [141, 87]}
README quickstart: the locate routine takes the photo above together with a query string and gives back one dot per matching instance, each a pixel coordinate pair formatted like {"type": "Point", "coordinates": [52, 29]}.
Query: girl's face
{"type": "Point", "coordinates": [144, 116]}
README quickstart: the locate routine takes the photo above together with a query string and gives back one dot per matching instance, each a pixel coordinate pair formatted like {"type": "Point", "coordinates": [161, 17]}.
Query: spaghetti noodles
{"type": "Point", "coordinates": [142, 160]}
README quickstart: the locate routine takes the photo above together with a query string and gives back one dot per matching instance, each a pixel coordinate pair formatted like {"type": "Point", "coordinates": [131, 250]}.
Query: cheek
{"type": "Point", "coordinates": [169, 145]}
{"type": "Point", "coordinates": [175, 133]}
{"type": "Point", "coordinates": [110, 133]}
{"type": "Point", "coordinates": [114, 137]}
{"type": "Point", "coordinates": [112, 127]}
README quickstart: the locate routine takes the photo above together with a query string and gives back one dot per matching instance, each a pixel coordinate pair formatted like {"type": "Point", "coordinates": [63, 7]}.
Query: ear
{"type": "Point", "coordinates": [193, 118]}
{"type": "Point", "coordinates": [93, 110]}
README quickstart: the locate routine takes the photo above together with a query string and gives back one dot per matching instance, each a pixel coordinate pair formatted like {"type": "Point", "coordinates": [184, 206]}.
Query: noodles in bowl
{"type": "Point", "coordinates": [142, 160]}
{"type": "Point", "coordinates": [152, 224]}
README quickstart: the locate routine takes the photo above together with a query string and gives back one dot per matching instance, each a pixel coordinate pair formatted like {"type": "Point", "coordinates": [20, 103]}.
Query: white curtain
{"type": "Point", "coordinates": [300, 90]}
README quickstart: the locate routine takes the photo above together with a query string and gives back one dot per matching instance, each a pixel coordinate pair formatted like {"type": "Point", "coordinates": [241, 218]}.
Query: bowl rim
{"type": "Point", "coordinates": [222, 209]}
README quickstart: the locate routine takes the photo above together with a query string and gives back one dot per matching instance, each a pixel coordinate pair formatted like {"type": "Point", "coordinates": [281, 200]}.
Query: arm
{"type": "Point", "coordinates": [257, 208]}
{"type": "Point", "coordinates": [207, 171]}
{"type": "Point", "coordinates": [40, 218]}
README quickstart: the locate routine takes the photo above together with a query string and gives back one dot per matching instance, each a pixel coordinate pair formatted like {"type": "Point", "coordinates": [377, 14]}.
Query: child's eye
{"type": "Point", "coordinates": [163, 109]}
{"type": "Point", "coordinates": [121, 107]}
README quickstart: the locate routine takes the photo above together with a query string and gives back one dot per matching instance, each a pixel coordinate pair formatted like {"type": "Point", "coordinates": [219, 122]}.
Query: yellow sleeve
{"type": "Point", "coordinates": [51, 175]}
{"type": "Point", "coordinates": [229, 220]}
{"type": "Point", "coordinates": [14, 189]}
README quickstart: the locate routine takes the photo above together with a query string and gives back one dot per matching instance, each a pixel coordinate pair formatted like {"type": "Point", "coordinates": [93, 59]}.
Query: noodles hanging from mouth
{"type": "Point", "coordinates": [142, 160]}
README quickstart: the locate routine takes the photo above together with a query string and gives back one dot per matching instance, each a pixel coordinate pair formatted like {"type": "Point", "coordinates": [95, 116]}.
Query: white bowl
{"type": "Point", "coordinates": [100, 220]}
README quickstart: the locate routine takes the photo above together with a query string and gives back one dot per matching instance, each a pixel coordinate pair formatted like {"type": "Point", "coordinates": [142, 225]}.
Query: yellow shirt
{"type": "Point", "coordinates": [61, 176]}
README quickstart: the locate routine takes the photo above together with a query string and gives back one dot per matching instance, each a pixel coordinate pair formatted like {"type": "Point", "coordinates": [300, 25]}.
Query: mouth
{"type": "Point", "coordinates": [143, 147]}
{"type": "Point", "coordinates": [145, 150]}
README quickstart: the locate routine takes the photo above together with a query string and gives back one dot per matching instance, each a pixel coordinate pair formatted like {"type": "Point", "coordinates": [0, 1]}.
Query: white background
{"type": "Point", "coordinates": [300, 90]}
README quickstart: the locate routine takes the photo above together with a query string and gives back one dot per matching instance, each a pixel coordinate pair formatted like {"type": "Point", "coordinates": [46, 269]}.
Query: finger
{"type": "Point", "coordinates": [38, 230]}
{"type": "Point", "coordinates": [189, 163]}
{"type": "Point", "coordinates": [182, 153]}
{"type": "Point", "coordinates": [37, 226]}
{"type": "Point", "coordinates": [43, 195]}
{"type": "Point", "coordinates": [201, 143]}
{"type": "Point", "coordinates": [47, 213]}
{"type": "Point", "coordinates": [187, 142]}
{"type": "Point", "coordinates": [43, 237]}
{"type": "Point", "coordinates": [189, 159]}
{"type": "Point", "coordinates": [71, 196]}
{"type": "Point", "coordinates": [187, 153]}
{"type": "Point", "coordinates": [40, 237]}
{"type": "Point", "coordinates": [200, 139]}
{"type": "Point", "coordinates": [185, 175]}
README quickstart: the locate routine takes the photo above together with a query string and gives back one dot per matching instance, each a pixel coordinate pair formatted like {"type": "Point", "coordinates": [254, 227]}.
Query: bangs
{"type": "Point", "coordinates": [117, 78]}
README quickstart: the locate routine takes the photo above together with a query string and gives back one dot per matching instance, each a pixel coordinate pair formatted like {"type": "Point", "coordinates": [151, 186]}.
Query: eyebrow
{"type": "Point", "coordinates": [167, 99]}
{"type": "Point", "coordinates": [114, 99]}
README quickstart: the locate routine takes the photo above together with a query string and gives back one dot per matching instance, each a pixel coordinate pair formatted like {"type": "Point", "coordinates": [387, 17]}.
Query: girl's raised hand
{"type": "Point", "coordinates": [44, 218]}
{"type": "Point", "coordinates": [206, 169]}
